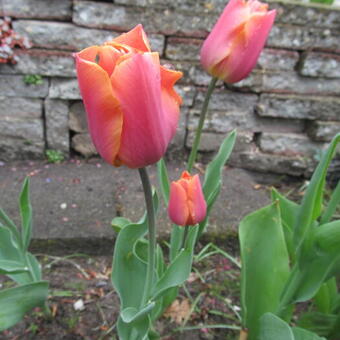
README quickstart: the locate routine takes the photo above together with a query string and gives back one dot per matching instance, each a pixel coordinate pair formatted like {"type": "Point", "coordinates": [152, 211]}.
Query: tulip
{"type": "Point", "coordinates": [132, 108]}
{"type": "Point", "coordinates": [187, 205]}
{"type": "Point", "coordinates": [232, 48]}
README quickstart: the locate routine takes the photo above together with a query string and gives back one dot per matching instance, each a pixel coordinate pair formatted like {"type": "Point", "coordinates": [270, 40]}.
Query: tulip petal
{"type": "Point", "coordinates": [178, 209]}
{"type": "Point", "coordinates": [199, 206]}
{"type": "Point", "coordinates": [217, 45]}
{"type": "Point", "coordinates": [104, 114]}
{"type": "Point", "coordinates": [136, 38]}
{"type": "Point", "coordinates": [136, 83]}
{"type": "Point", "coordinates": [249, 44]}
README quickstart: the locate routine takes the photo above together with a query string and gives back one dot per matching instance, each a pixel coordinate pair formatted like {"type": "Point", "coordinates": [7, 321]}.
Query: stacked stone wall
{"type": "Point", "coordinates": [286, 111]}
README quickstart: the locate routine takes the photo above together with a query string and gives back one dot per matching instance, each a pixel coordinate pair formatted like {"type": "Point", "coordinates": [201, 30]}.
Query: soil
{"type": "Point", "coordinates": [210, 297]}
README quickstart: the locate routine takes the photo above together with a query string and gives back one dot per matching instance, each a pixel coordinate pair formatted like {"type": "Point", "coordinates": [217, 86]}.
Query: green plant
{"type": "Point", "coordinates": [291, 253]}
{"type": "Point", "coordinates": [54, 156]}
{"type": "Point", "coordinates": [19, 265]}
{"type": "Point", "coordinates": [33, 79]}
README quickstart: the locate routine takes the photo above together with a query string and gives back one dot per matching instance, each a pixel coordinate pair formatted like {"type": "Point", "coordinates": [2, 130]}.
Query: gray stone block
{"type": "Point", "coordinates": [272, 59]}
{"type": "Point", "coordinates": [320, 65]}
{"type": "Point", "coordinates": [42, 9]}
{"type": "Point", "coordinates": [60, 35]}
{"type": "Point", "coordinates": [64, 89]}
{"type": "Point", "coordinates": [20, 108]}
{"type": "Point", "coordinates": [57, 131]}
{"type": "Point", "coordinates": [82, 143]}
{"type": "Point", "coordinates": [299, 107]}
{"type": "Point", "coordinates": [14, 86]}
{"type": "Point", "coordinates": [77, 118]}
{"type": "Point", "coordinates": [323, 131]}
{"type": "Point", "coordinates": [154, 20]}
{"type": "Point", "coordinates": [42, 62]}
{"type": "Point", "coordinates": [183, 49]}
{"type": "Point", "coordinates": [303, 38]}
{"type": "Point", "coordinates": [289, 144]}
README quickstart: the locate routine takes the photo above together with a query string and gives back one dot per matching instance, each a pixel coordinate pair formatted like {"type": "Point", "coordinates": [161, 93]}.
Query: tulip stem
{"type": "Point", "coordinates": [185, 236]}
{"type": "Point", "coordinates": [193, 153]}
{"type": "Point", "coordinates": [151, 233]}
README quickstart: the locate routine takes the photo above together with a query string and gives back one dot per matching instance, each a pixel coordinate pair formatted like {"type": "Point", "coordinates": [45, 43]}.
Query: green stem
{"type": "Point", "coordinates": [185, 236]}
{"type": "Point", "coordinates": [151, 232]}
{"type": "Point", "coordinates": [193, 153]}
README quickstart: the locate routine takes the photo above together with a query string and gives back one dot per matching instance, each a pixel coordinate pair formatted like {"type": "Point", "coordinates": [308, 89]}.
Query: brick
{"type": "Point", "coordinates": [289, 82]}
{"type": "Point", "coordinates": [320, 65]}
{"type": "Point", "coordinates": [154, 20]}
{"type": "Point", "coordinates": [42, 62]}
{"type": "Point", "coordinates": [39, 9]}
{"type": "Point", "coordinates": [289, 144]}
{"type": "Point", "coordinates": [272, 59]}
{"type": "Point", "coordinates": [63, 88]}
{"type": "Point", "coordinates": [77, 118]}
{"type": "Point", "coordinates": [57, 132]}
{"type": "Point", "coordinates": [82, 143]}
{"type": "Point", "coordinates": [14, 86]}
{"type": "Point", "coordinates": [20, 108]}
{"type": "Point", "coordinates": [323, 131]}
{"type": "Point", "coordinates": [306, 14]}
{"type": "Point", "coordinates": [188, 94]}
{"type": "Point", "coordinates": [183, 49]}
{"type": "Point", "coordinates": [193, 6]}
{"type": "Point", "coordinates": [295, 166]}
{"type": "Point", "coordinates": [58, 35]}
{"type": "Point", "coordinates": [299, 107]}
{"type": "Point", "coordinates": [303, 38]}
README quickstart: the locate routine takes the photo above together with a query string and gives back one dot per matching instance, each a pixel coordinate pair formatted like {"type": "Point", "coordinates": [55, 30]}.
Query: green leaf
{"type": "Point", "coordinates": [212, 178]}
{"type": "Point", "coordinates": [311, 205]}
{"type": "Point", "coordinates": [137, 330]}
{"type": "Point", "coordinates": [272, 327]}
{"type": "Point", "coordinates": [34, 266]}
{"type": "Point", "coordinates": [7, 222]}
{"type": "Point", "coordinates": [332, 205]}
{"type": "Point", "coordinates": [317, 322]}
{"type": "Point", "coordinates": [16, 302]}
{"type": "Point", "coordinates": [163, 179]}
{"type": "Point", "coordinates": [303, 334]}
{"type": "Point", "coordinates": [265, 265]}
{"type": "Point", "coordinates": [26, 213]}
{"type": "Point", "coordinates": [118, 223]}
{"type": "Point", "coordinates": [176, 273]}
{"type": "Point", "coordinates": [131, 314]}
{"type": "Point", "coordinates": [326, 297]}
{"type": "Point", "coordinates": [11, 267]}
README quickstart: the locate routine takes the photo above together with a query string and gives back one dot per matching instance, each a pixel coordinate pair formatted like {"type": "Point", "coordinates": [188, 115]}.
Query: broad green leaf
{"type": "Point", "coordinates": [311, 205]}
{"type": "Point", "coordinates": [325, 298]}
{"type": "Point", "coordinates": [212, 178]}
{"type": "Point", "coordinates": [265, 265]}
{"type": "Point", "coordinates": [163, 179]}
{"type": "Point", "coordinates": [327, 237]}
{"type": "Point", "coordinates": [332, 205]}
{"type": "Point", "coordinates": [16, 302]}
{"type": "Point", "coordinates": [34, 266]}
{"type": "Point", "coordinates": [26, 213]}
{"type": "Point", "coordinates": [9, 249]}
{"type": "Point", "coordinates": [273, 328]}
{"type": "Point", "coordinates": [176, 273]}
{"type": "Point", "coordinates": [118, 223]}
{"type": "Point", "coordinates": [303, 334]}
{"type": "Point", "coordinates": [131, 314]}
{"type": "Point", "coordinates": [289, 211]}
{"type": "Point", "coordinates": [317, 322]}
{"type": "Point", "coordinates": [137, 330]}
{"type": "Point", "coordinates": [11, 267]}
{"type": "Point", "coordinates": [160, 264]}
{"type": "Point", "coordinates": [8, 223]}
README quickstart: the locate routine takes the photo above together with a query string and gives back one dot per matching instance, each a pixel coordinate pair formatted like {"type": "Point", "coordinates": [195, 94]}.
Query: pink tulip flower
{"type": "Point", "coordinates": [132, 107]}
{"type": "Point", "coordinates": [187, 205]}
{"type": "Point", "coordinates": [232, 48]}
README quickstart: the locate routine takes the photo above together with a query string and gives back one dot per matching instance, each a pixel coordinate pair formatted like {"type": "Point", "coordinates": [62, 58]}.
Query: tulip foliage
{"type": "Point", "coordinates": [291, 253]}
{"type": "Point", "coordinates": [19, 265]}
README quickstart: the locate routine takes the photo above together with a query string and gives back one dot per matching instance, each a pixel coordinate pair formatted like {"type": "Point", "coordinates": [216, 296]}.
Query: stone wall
{"type": "Point", "coordinates": [285, 111]}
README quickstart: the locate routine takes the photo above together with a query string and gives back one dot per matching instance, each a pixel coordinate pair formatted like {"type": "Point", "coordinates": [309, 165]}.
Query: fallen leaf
{"type": "Point", "coordinates": [178, 311]}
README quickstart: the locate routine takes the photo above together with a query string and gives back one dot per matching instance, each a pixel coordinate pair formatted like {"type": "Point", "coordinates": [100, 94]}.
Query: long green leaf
{"type": "Point", "coordinates": [26, 213]}
{"type": "Point", "coordinates": [332, 205]}
{"type": "Point", "coordinates": [136, 330]}
{"type": "Point", "coordinates": [8, 223]}
{"type": "Point", "coordinates": [273, 328]}
{"type": "Point", "coordinates": [16, 302]}
{"type": "Point", "coordinates": [11, 267]}
{"type": "Point", "coordinates": [163, 179]}
{"type": "Point", "coordinates": [131, 314]}
{"type": "Point", "coordinates": [320, 323]}
{"type": "Point", "coordinates": [303, 334]}
{"type": "Point", "coordinates": [311, 205]}
{"type": "Point", "coordinates": [265, 265]}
